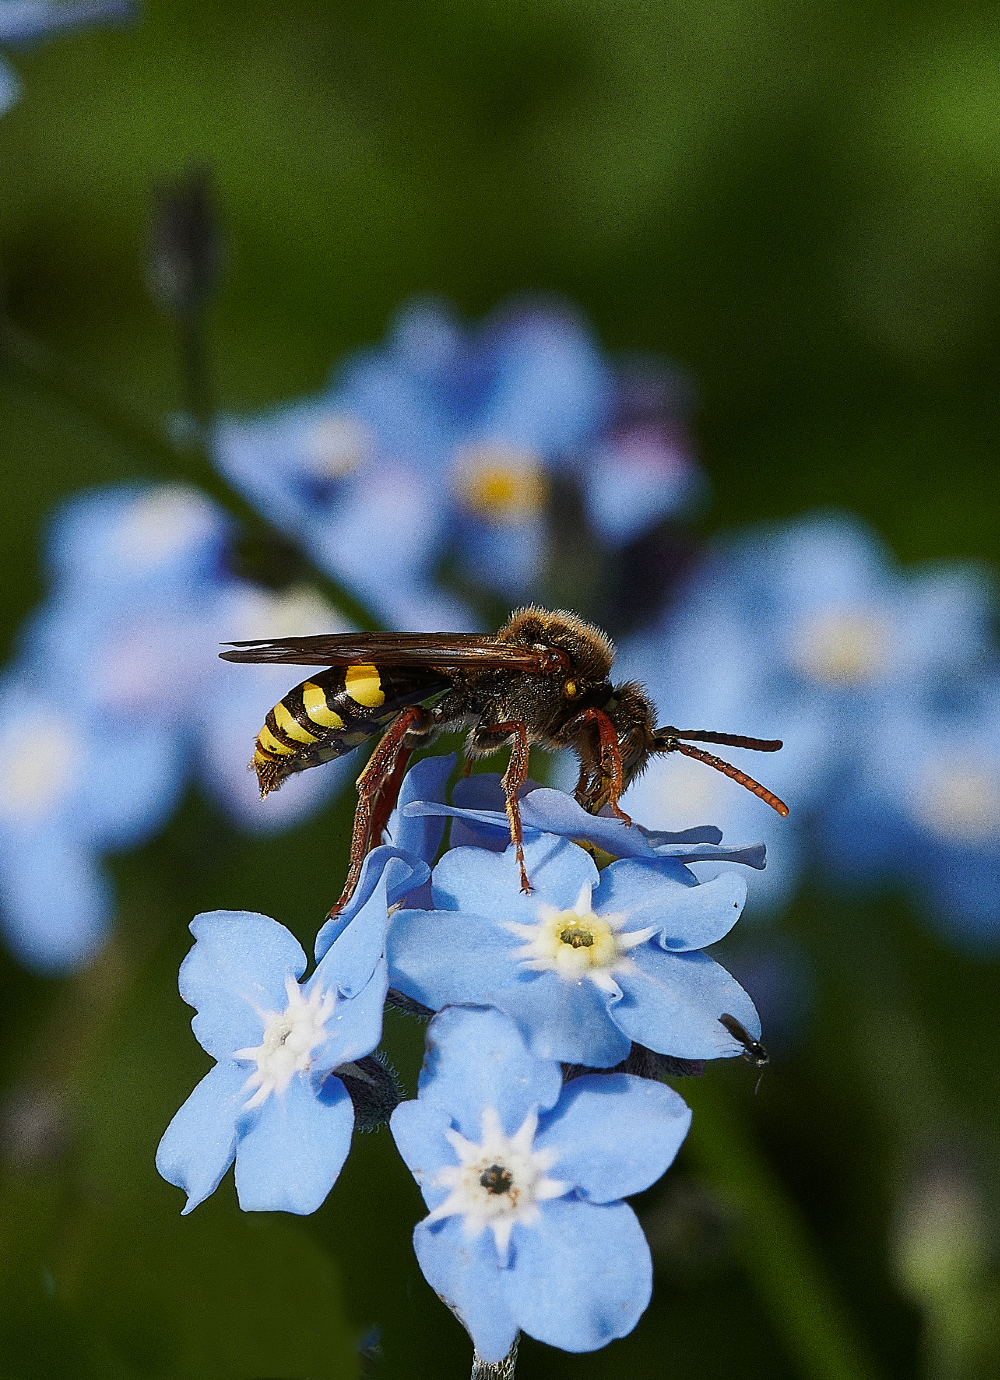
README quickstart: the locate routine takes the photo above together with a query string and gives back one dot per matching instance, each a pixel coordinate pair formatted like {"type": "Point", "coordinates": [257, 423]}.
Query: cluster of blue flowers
{"type": "Point", "coordinates": [451, 448]}
{"type": "Point", "coordinates": [23, 22]}
{"type": "Point", "coordinates": [885, 686]}
{"type": "Point", "coordinates": [540, 1107]}
{"type": "Point", "coordinates": [445, 444]}
{"type": "Point", "coordinates": [119, 664]}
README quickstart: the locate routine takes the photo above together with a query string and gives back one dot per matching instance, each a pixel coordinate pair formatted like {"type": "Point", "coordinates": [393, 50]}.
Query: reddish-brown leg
{"type": "Point", "coordinates": [513, 779]}
{"type": "Point", "coordinates": [378, 791]}
{"type": "Point", "coordinates": [609, 754]}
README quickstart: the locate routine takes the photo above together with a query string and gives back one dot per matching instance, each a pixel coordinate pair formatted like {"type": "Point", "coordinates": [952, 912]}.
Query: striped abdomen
{"type": "Point", "coordinates": [332, 712]}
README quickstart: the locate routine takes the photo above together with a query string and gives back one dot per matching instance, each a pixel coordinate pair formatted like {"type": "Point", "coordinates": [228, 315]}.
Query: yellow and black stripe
{"type": "Point", "coordinates": [332, 713]}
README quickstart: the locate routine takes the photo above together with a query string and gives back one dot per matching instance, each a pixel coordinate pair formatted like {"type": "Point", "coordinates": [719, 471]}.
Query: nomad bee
{"type": "Point", "coordinates": [542, 679]}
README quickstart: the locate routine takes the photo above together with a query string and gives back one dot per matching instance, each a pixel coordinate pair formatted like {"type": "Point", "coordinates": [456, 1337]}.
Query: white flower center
{"type": "Point", "coordinates": [289, 1040]}
{"type": "Point", "coordinates": [40, 774]}
{"type": "Point", "coordinates": [960, 802]}
{"type": "Point", "coordinates": [578, 944]}
{"type": "Point", "coordinates": [842, 648]}
{"type": "Point", "coordinates": [335, 445]}
{"type": "Point", "coordinates": [494, 481]}
{"type": "Point", "coordinates": [498, 1181]}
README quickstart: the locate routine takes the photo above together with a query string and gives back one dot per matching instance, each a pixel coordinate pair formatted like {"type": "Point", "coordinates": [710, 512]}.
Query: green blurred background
{"type": "Point", "coordinates": [800, 203]}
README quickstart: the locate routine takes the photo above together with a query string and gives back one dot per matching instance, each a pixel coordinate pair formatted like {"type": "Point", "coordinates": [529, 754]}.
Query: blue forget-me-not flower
{"type": "Point", "coordinates": [445, 444]}
{"type": "Point", "coordinates": [273, 1101]}
{"type": "Point", "coordinates": [140, 597]}
{"type": "Point", "coordinates": [588, 962]}
{"type": "Point", "coordinates": [811, 633]}
{"type": "Point", "coordinates": [525, 1178]}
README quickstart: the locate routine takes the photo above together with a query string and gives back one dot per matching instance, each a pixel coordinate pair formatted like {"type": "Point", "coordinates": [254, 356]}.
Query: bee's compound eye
{"type": "Point", "coordinates": [571, 689]}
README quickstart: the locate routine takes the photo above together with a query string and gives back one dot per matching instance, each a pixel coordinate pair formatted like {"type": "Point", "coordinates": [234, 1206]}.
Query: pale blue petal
{"type": "Point", "coordinates": [672, 1004]}
{"type": "Point", "coordinates": [235, 975]}
{"type": "Point", "coordinates": [355, 1027]}
{"type": "Point", "coordinates": [563, 1020]}
{"type": "Point", "coordinates": [199, 1144]}
{"type": "Point", "coordinates": [465, 1274]}
{"type": "Point", "coordinates": [425, 781]}
{"type": "Point", "coordinates": [440, 956]}
{"type": "Point", "coordinates": [686, 915]}
{"type": "Point", "coordinates": [476, 1058]}
{"type": "Point", "coordinates": [57, 904]}
{"type": "Point", "coordinates": [290, 1158]}
{"type": "Point", "coordinates": [581, 1276]}
{"type": "Point", "coordinates": [475, 880]}
{"type": "Point", "coordinates": [615, 1134]}
{"type": "Point", "coordinates": [386, 873]}
{"type": "Point", "coordinates": [418, 1128]}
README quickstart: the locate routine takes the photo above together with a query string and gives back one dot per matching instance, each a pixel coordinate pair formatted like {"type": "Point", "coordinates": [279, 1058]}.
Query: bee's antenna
{"type": "Point", "coordinates": [701, 735]}
{"type": "Point", "coordinates": [668, 740]}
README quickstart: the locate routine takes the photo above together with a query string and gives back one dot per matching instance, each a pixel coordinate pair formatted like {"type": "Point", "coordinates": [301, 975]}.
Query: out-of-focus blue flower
{"type": "Point", "coordinates": [26, 21]}
{"type": "Point", "coordinates": [922, 810]}
{"type": "Point", "coordinates": [76, 786]}
{"type": "Point", "coordinates": [273, 1101]}
{"type": "Point", "coordinates": [804, 632]}
{"type": "Point", "coordinates": [585, 964]}
{"type": "Point", "coordinates": [117, 698]}
{"type": "Point", "coordinates": [445, 444]}
{"type": "Point", "coordinates": [524, 1178]}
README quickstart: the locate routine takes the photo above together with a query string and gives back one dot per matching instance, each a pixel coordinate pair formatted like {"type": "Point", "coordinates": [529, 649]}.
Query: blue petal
{"type": "Point", "coordinates": [386, 873]}
{"type": "Point", "coordinates": [356, 1026]}
{"type": "Point", "coordinates": [688, 915]}
{"type": "Point", "coordinates": [426, 781]}
{"type": "Point", "coordinates": [438, 956]}
{"type": "Point", "coordinates": [555, 812]}
{"type": "Point", "coordinates": [673, 1002]}
{"type": "Point", "coordinates": [290, 1158]}
{"type": "Point", "coordinates": [476, 1058]}
{"type": "Point", "coordinates": [418, 1128]}
{"type": "Point", "coordinates": [235, 974]}
{"type": "Point", "coordinates": [57, 902]}
{"type": "Point", "coordinates": [484, 883]}
{"type": "Point", "coordinates": [199, 1144]}
{"type": "Point", "coordinates": [582, 1275]}
{"type": "Point", "coordinates": [465, 1275]}
{"type": "Point", "coordinates": [615, 1134]}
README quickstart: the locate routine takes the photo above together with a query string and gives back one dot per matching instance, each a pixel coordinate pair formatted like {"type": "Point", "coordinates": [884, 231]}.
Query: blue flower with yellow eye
{"type": "Point", "coordinates": [117, 697]}
{"type": "Point", "coordinates": [447, 446]}
{"type": "Point", "coordinates": [585, 964]}
{"type": "Point", "coordinates": [524, 1178]}
{"type": "Point", "coordinates": [804, 632]}
{"type": "Point", "coordinates": [273, 1101]}
{"type": "Point", "coordinates": [27, 21]}
{"type": "Point", "coordinates": [922, 810]}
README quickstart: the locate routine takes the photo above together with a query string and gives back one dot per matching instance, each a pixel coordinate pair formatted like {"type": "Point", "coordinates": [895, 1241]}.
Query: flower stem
{"type": "Point", "coordinates": [776, 1251]}
{"type": "Point", "coordinates": [264, 547]}
{"type": "Point", "coordinates": [495, 1370]}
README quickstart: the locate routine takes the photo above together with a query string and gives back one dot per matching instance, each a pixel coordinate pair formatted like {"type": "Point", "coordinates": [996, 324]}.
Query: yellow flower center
{"type": "Point", "coordinates": [501, 484]}
{"type": "Point", "coordinates": [842, 648]}
{"type": "Point", "coordinates": [960, 801]}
